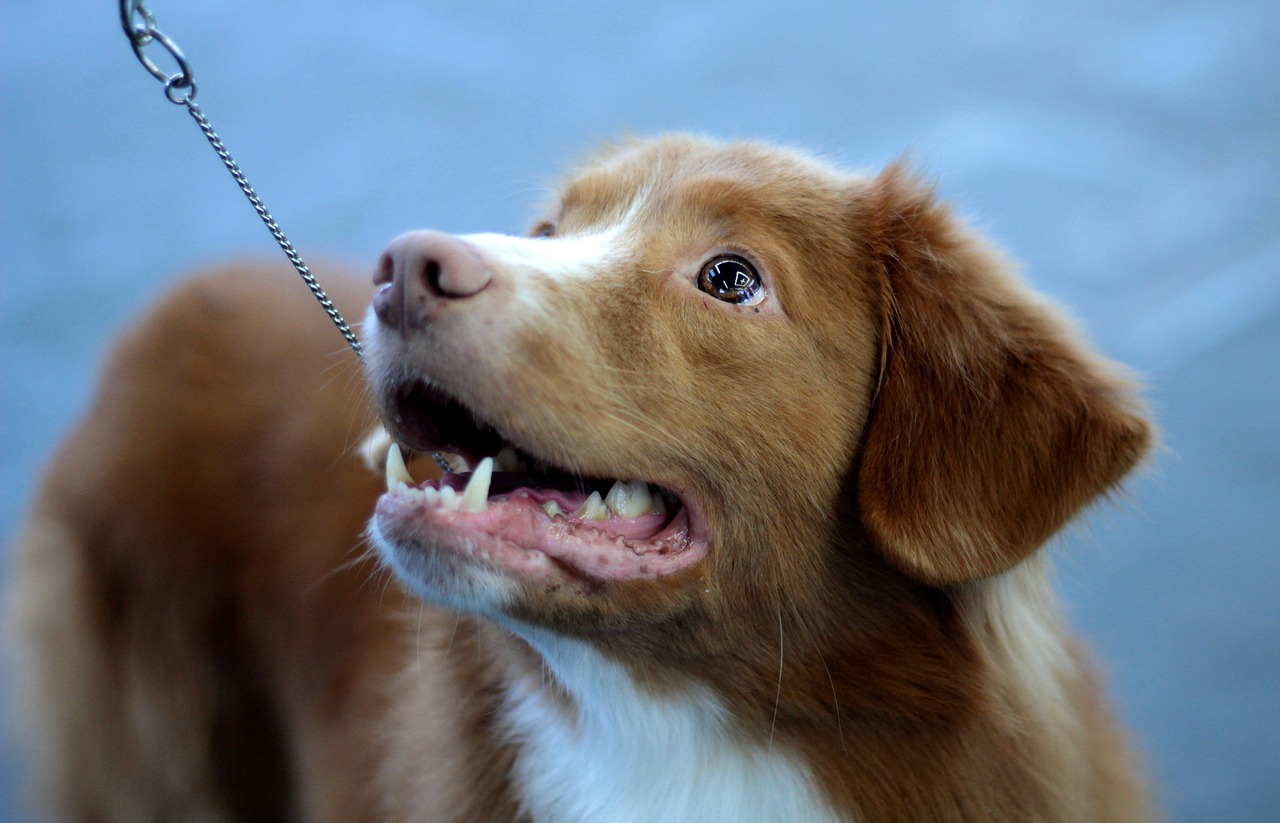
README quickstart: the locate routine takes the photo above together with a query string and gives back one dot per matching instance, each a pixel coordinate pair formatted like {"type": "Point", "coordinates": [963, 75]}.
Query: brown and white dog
{"type": "Point", "coordinates": [760, 457]}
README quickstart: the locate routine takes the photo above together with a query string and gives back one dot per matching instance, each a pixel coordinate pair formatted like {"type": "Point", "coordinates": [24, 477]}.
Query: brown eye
{"type": "Point", "coordinates": [731, 279]}
{"type": "Point", "coordinates": [543, 230]}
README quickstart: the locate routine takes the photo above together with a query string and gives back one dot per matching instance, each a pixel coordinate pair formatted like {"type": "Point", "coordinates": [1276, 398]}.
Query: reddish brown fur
{"type": "Point", "coordinates": [198, 638]}
{"type": "Point", "coordinates": [1033, 427]}
{"type": "Point", "coordinates": [188, 641]}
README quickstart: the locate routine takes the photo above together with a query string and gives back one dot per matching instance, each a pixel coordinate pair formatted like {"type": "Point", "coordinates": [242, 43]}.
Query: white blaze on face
{"type": "Point", "coordinates": [573, 257]}
{"type": "Point", "coordinates": [559, 258]}
{"type": "Point", "coordinates": [528, 264]}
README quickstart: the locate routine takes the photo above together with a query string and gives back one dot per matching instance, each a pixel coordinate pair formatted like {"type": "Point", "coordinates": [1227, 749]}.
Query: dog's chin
{"type": "Point", "coordinates": [442, 575]}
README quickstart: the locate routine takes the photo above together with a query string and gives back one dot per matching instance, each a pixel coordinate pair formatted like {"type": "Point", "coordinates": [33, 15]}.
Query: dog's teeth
{"type": "Point", "coordinates": [508, 461]}
{"type": "Point", "coordinates": [619, 499]}
{"type": "Point", "coordinates": [449, 499]}
{"type": "Point", "coordinates": [593, 508]}
{"type": "Point", "coordinates": [552, 508]}
{"type": "Point", "coordinates": [628, 499]}
{"type": "Point", "coordinates": [642, 497]}
{"type": "Point", "coordinates": [397, 473]}
{"type": "Point", "coordinates": [431, 496]}
{"type": "Point", "coordinates": [475, 498]}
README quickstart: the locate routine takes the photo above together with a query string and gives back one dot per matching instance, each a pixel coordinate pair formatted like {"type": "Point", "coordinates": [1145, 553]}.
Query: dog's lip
{"type": "Point", "coordinates": [514, 529]}
{"type": "Point", "coordinates": [426, 418]}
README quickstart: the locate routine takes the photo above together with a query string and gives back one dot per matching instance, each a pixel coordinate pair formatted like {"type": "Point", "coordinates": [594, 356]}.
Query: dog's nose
{"type": "Point", "coordinates": [421, 271]}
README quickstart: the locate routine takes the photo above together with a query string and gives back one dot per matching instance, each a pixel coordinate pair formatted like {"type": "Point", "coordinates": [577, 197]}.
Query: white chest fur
{"type": "Point", "coordinates": [623, 755]}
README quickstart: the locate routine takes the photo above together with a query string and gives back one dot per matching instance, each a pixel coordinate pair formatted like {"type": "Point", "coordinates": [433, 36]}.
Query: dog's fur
{"type": "Point", "coordinates": [872, 459]}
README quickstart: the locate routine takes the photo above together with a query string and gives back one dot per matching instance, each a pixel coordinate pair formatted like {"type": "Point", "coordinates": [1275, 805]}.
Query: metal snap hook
{"type": "Point", "coordinates": [140, 26]}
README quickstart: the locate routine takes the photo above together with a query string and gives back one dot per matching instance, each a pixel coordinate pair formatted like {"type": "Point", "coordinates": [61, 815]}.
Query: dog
{"type": "Point", "coordinates": [745, 468]}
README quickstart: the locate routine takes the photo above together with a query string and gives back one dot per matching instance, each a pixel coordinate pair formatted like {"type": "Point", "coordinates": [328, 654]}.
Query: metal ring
{"type": "Point", "coordinates": [179, 90]}
{"type": "Point", "coordinates": [137, 33]}
{"type": "Point", "coordinates": [176, 53]}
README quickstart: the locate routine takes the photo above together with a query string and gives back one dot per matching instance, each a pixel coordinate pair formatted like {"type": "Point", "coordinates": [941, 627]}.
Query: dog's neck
{"type": "Point", "coordinates": [595, 745]}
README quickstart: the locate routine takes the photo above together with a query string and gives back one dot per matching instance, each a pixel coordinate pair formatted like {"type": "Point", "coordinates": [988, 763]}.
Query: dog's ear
{"type": "Point", "coordinates": [991, 425]}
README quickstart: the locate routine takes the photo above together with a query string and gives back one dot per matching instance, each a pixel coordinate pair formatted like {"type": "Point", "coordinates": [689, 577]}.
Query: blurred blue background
{"type": "Point", "coordinates": [1128, 152]}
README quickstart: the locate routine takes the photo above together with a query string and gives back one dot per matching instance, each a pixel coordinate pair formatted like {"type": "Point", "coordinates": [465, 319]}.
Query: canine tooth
{"type": "Point", "coordinates": [396, 471]}
{"type": "Point", "coordinates": [552, 508]}
{"type": "Point", "coordinates": [475, 498]}
{"type": "Point", "coordinates": [593, 508]}
{"type": "Point", "coordinates": [449, 499]}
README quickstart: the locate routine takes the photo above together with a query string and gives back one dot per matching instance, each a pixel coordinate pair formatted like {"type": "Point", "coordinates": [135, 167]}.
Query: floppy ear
{"type": "Point", "coordinates": [992, 425]}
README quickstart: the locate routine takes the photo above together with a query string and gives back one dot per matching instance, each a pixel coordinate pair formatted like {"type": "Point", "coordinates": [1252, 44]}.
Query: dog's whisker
{"type": "Point", "coordinates": [457, 618]}
{"type": "Point", "coordinates": [422, 608]}
{"type": "Point", "coordinates": [365, 553]}
{"type": "Point", "coordinates": [777, 700]}
{"type": "Point", "coordinates": [814, 645]}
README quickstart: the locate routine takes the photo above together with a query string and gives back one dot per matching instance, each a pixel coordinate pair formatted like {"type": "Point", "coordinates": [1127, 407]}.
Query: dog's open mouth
{"type": "Point", "coordinates": [510, 510]}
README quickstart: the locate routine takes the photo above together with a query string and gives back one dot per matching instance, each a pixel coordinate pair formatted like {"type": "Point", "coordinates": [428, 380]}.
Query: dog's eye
{"type": "Point", "coordinates": [543, 230]}
{"type": "Point", "coordinates": [731, 279]}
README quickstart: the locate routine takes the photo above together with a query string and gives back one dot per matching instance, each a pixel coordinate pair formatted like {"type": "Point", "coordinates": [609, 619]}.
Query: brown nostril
{"type": "Point", "coordinates": [451, 268]}
{"type": "Point", "coordinates": [431, 276]}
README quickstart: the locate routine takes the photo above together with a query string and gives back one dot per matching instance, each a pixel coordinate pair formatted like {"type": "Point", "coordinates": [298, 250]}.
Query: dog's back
{"type": "Point", "coordinates": [196, 628]}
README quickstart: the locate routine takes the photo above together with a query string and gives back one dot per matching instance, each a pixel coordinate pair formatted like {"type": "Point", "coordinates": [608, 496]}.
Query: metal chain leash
{"type": "Point", "coordinates": [180, 88]}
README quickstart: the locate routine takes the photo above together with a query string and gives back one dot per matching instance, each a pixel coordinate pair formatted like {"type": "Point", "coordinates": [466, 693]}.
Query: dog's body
{"type": "Point", "coordinates": [848, 431]}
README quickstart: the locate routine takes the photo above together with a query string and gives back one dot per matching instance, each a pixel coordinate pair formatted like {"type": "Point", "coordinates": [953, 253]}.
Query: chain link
{"type": "Point", "coordinates": [180, 88]}
{"type": "Point", "coordinates": [274, 227]}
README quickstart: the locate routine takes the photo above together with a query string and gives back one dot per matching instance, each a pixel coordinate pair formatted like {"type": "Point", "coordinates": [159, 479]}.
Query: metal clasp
{"type": "Point", "coordinates": [140, 27]}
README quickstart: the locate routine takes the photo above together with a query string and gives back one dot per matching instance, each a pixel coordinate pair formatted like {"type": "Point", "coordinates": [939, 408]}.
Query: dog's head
{"type": "Point", "coordinates": [804, 384]}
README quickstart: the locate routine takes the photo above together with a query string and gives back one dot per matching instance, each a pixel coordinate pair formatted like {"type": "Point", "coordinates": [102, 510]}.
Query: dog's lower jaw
{"type": "Point", "coordinates": [593, 744]}
{"type": "Point", "coordinates": [443, 578]}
